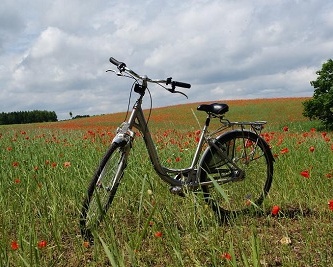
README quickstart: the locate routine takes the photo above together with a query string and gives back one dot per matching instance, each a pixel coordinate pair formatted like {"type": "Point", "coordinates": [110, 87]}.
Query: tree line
{"type": "Point", "coordinates": [21, 117]}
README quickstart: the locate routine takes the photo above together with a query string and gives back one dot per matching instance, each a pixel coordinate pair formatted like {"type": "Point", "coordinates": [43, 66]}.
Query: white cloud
{"type": "Point", "coordinates": [53, 54]}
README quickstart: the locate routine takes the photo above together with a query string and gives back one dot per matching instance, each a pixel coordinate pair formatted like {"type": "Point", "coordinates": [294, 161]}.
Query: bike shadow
{"type": "Point", "coordinates": [288, 211]}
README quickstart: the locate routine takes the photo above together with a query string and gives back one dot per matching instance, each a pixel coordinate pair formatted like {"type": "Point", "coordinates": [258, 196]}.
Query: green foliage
{"type": "Point", "coordinates": [21, 117]}
{"type": "Point", "coordinates": [319, 107]}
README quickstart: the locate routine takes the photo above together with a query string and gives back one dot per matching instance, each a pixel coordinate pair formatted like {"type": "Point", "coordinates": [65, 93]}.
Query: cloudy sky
{"type": "Point", "coordinates": [54, 53]}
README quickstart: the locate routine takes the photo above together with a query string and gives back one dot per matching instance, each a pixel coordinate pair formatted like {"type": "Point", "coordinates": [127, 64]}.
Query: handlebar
{"type": "Point", "coordinates": [122, 67]}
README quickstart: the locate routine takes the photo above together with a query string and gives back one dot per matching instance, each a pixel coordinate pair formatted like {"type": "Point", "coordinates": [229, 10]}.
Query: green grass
{"type": "Point", "coordinates": [45, 170]}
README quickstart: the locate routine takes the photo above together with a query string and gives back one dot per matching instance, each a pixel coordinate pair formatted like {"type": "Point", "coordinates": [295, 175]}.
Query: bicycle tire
{"type": "Point", "coordinates": [250, 152]}
{"type": "Point", "coordinates": [101, 190]}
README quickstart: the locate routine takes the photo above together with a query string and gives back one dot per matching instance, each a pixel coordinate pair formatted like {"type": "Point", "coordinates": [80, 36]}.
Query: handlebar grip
{"type": "Point", "coordinates": [181, 84]}
{"type": "Point", "coordinates": [119, 64]}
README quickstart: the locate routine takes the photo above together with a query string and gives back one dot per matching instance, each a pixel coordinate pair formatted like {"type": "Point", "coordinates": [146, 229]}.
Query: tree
{"type": "Point", "coordinates": [320, 106]}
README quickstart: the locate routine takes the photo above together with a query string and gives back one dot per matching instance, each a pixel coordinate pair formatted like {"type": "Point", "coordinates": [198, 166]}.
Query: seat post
{"type": "Point", "coordinates": [207, 121]}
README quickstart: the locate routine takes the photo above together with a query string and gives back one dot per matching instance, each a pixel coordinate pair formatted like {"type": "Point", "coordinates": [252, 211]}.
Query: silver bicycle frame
{"type": "Point", "coordinates": [125, 136]}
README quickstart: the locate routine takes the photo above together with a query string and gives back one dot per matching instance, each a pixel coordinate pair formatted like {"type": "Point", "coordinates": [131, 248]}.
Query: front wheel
{"type": "Point", "coordinates": [102, 189]}
{"type": "Point", "coordinates": [238, 172]}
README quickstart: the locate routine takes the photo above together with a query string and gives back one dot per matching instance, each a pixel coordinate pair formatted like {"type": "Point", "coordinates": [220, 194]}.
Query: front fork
{"type": "Point", "coordinates": [124, 135]}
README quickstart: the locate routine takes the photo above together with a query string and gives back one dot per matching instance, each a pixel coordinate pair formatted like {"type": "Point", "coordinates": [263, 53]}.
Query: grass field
{"type": "Point", "coordinates": [45, 170]}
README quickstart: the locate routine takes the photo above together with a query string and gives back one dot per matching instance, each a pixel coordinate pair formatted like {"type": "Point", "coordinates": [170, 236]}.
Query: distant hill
{"type": "Point", "coordinates": [273, 110]}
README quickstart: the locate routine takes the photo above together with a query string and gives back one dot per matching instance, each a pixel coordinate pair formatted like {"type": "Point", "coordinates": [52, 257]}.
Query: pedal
{"type": "Point", "coordinates": [177, 190]}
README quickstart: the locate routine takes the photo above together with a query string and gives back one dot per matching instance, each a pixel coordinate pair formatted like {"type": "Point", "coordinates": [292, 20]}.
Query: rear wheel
{"type": "Point", "coordinates": [102, 190]}
{"type": "Point", "coordinates": [234, 191]}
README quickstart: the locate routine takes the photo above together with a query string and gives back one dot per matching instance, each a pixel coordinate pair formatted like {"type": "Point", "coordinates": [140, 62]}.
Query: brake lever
{"type": "Point", "coordinates": [118, 73]}
{"type": "Point", "coordinates": [177, 92]}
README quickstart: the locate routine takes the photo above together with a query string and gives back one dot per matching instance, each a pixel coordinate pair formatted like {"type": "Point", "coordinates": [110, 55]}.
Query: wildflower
{"type": "Point", "coordinates": [86, 244]}
{"type": "Point", "coordinates": [275, 210]}
{"type": "Point", "coordinates": [284, 150]}
{"type": "Point", "coordinates": [328, 175]}
{"type": "Point", "coordinates": [14, 245]}
{"type": "Point", "coordinates": [285, 240]}
{"type": "Point", "coordinates": [248, 143]}
{"type": "Point", "coordinates": [305, 174]}
{"type": "Point", "coordinates": [312, 148]}
{"type": "Point", "coordinates": [285, 129]}
{"type": "Point", "coordinates": [15, 164]}
{"type": "Point", "coordinates": [54, 164]}
{"type": "Point", "coordinates": [67, 164]}
{"type": "Point", "coordinates": [41, 244]}
{"type": "Point", "coordinates": [178, 159]}
{"type": "Point", "coordinates": [330, 204]}
{"type": "Point", "coordinates": [158, 234]}
{"type": "Point", "coordinates": [17, 181]}
{"type": "Point", "coordinates": [226, 256]}
{"type": "Point", "coordinates": [150, 192]}
{"type": "Point", "coordinates": [9, 148]}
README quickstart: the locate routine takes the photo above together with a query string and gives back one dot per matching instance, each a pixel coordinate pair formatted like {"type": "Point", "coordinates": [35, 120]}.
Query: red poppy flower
{"type": "Point", "coordinates": [158, 234]}
{"type": "Point", "coordinates": [328, 175]}
{"type": "Point", "coordinates": [17, 181]}
{"type": "Point", "coordinates": [178, 159]}
{"type": "Point", "coordinates": [226, 256]}
{"type": "Point", "coordinates": [330, 204]}
{"type": "Point", "coordinates": [305, 174]}
{"type": "Point", "coordinates": [275, 210]}
{"type": "Point", "coordinates": [14, 245]}
{"type": "Point", "coordinates": [197, 132]}
{"type": "Point", "coordinates": [312, 148]}
{"type": "Point", "coordinates": [285, 129]}
{"type": "Point", "coordinates": [284, 150]}
{"type": "Point", "coordinates": [15, 164]}
{"type": "Point", "coordinates": [41, 244]}
{"type": "Point", "coordinates": [67, 164]}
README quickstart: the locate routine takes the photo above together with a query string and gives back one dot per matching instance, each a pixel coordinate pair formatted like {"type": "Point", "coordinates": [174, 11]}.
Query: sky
{"type": "Point", "coordinates": [54, 53]}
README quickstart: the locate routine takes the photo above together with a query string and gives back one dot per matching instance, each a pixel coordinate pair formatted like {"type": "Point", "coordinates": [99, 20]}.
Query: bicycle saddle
{"type": "Point", "coordinates": [215, 108]}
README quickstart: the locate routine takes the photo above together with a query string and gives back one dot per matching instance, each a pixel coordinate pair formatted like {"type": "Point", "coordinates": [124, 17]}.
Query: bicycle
{"type": "Point", "coordinates": [239, 159]}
